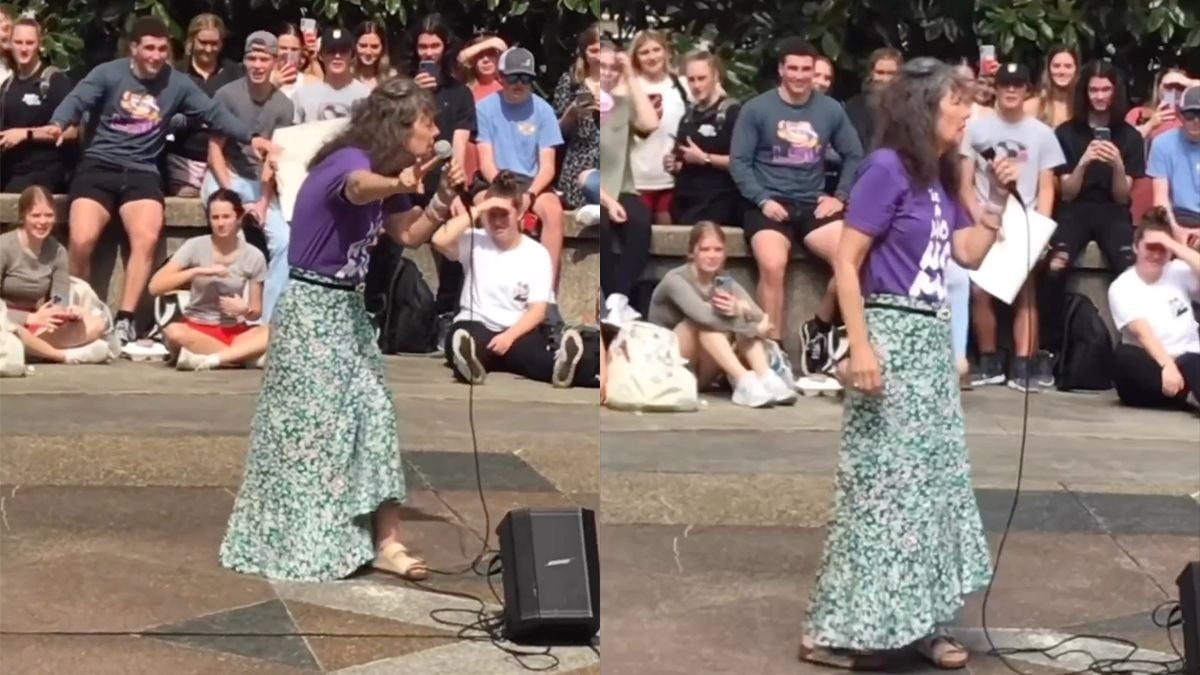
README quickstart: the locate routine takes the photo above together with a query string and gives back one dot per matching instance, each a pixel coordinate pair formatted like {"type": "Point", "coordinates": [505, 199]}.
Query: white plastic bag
{"type": "Point", "coordinates": [646, 372]}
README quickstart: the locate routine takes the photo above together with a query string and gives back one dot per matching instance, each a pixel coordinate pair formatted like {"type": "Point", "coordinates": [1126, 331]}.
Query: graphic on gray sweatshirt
{"type": "Point", "coordinates": [133, 114]}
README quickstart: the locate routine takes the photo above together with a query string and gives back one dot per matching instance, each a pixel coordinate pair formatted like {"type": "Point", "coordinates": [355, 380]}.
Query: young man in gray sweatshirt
{"type": "Point", "coordinates": [778, 162]}
{"type": "Point", "coordinates": [132, 101]}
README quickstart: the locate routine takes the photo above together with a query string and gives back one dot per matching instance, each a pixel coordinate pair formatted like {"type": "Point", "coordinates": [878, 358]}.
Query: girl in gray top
{"type": "Point", "coordinates": [225, 277]}
{"type": "Point", "coordinates": [36, 289]}
{"type": "Point", "coordinates": [720, 328]}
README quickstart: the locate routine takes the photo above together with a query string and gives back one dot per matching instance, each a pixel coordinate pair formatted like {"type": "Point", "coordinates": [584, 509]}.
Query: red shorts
{"type": "Point", "coordinates": [223, 333]}
{"type": "Point", "coordinates": [658, 201]}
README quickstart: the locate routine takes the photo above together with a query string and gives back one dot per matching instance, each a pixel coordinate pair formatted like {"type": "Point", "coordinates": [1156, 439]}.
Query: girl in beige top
{"type": "Point", "coordinates": [36, 289]}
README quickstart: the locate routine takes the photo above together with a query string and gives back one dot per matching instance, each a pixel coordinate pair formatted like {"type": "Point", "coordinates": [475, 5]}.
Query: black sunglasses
{"type": "Point", "coordinates": [520, 78]}
{"type": "Point", "coordinates": [1190, 115]}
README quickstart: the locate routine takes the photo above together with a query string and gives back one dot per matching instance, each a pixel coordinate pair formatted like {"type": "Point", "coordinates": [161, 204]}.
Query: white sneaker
{"type": "Point", "coordinates": [781, 392]}
{"type": "Point", "coordinates": [752, 393]}
{"type": "Point", "coordinates": [818, 385]}
{"type": "Point", "coordinates": [95, 352]}
{"type": "Point", "coordinates": [189, 361]}
{"type": "Point", "coordinates": [144, 350]}
{"type": "Point", "coordinates": [588, 215]}
{"type": "Point", "coordinates": [619, 312]}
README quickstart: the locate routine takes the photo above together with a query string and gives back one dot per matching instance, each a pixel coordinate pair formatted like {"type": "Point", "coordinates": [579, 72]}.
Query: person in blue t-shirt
{"type": "Point", "coordinates": [1175, 167]}
{"type": "Point", "coordinates": [518, 132]}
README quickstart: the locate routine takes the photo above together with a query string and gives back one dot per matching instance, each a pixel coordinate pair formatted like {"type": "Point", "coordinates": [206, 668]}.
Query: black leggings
{"type": "Point", "coordinates": [531, 356]}
{"type": "Point", "coordinates": [1139, 378]}
{"type": "Point", "coordinates": [620, 272]}
{"type": "Point", "coordinates": [1079, 224]}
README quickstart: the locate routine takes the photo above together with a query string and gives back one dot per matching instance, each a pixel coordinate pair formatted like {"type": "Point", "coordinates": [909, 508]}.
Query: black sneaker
{"type": "Point", "coordinates": [466, 363]}
{"type": "Point", "coordinates": [816, 349]}
{"type": "Point", "coordinates": [570, 350]}
{"type": "Point", "coordinates": [125, 331]}
{"type": "Point", "coordinates": [989, 370]}
{"type": "Point", "coordinates": [1045, 370]}
{"type": "Point", "coordinates": [839, 348]}
{"type": "Point", "coordinates": [1024, 375]}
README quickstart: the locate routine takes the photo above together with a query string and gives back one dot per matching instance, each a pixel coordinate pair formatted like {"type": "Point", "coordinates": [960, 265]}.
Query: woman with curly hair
{"type": "Point", "coordinates": [906, 542]}
{"type": "Point", "coordinates": [323, 477]}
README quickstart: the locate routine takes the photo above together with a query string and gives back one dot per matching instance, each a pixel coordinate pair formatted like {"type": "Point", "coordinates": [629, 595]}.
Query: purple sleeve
{"type": "Point", "coordinates": [397, 204]}
{"type": "Point", "coordinates": [877, 192]}
{"type": "Point", "coordinates": [340, 165]}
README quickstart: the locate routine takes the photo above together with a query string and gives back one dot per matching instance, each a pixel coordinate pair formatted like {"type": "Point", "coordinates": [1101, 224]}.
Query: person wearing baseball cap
{"type": "Point", "coordinates": [519, 132]}
{"type": "Point", "coordinates": [257, 102]}
{"type": "Point", "coordinates": [1175, 168]}
{"type": "Point", "coordinates": [334, 97]}
{"type": "Point", "coordinates": [1015, 134]}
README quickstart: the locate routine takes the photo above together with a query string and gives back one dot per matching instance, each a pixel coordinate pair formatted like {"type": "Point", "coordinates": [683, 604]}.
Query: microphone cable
{"type": "Point", "coordinates": [1107, 666]}
{"type": "Point", "coordinates": [484, 626]}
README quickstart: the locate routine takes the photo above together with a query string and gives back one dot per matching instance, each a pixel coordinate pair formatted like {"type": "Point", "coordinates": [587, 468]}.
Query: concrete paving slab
{"type": "Point", "coordinates": [108, 655]}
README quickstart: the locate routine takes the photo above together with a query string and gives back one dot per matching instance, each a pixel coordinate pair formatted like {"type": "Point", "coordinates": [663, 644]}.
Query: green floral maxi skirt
{"type": "Point", "coordinates": [906, 542]}
{"type": "Point", "coordinates": [323, 448]}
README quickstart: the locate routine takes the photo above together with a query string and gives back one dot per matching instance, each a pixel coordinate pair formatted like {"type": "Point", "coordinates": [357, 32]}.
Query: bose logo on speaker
{"type": "Point", "coordinates": [560, 561]}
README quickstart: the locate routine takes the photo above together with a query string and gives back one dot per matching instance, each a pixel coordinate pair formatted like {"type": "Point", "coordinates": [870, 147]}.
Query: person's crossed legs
{"type": "Point", "coordinates": [244, 348]}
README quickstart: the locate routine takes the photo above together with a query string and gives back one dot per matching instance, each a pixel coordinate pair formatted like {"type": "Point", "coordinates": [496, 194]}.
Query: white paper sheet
{"type": "Point", "coordinates": [298, 144]}
{"type": "Point", "coordinates": [1008, 264]}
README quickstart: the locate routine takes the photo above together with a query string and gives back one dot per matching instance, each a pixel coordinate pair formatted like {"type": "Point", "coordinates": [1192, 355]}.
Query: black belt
{"type": "Point", "coordinates": [326, 283]}
{"type": "Point", "coordinates": [901, 308]}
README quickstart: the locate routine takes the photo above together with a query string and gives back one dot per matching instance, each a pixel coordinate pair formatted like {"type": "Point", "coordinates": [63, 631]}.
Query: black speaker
{"type": "Point", "coordinates": [551, 574]}
{"type": "Point", "coordinates": [1189, 602]}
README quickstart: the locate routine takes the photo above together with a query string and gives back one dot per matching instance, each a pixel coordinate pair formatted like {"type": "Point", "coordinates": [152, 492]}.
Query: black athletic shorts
{"type": "Point", "coordinates": [113, 186]}
{"type": "Point", "coordinates": [801, 221]}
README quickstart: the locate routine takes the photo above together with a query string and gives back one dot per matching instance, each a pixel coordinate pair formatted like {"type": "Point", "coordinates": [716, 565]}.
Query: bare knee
{"type": "Point", "coordinates": [548, 207]}
{"type": "Point", "coordinates": [93, 327]}
{"type": "Point", "coordinates": [175, 333]}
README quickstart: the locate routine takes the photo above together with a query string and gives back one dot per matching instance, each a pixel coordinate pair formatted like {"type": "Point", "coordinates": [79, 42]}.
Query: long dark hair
{"type": "Point", "coordinates": [434, 24]}
{"type": "Point", "coordinates": [907, 116]}
{"type": "Point", "coordinates": [1083, 105]}
{"type": "Point", "coordinates": [381, 123]}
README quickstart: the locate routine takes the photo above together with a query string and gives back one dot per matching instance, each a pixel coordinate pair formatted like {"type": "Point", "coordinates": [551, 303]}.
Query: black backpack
{"type": "Point", "coordinates": [1085, 357]}
{"type": "Point", "coordinates": [400, 302]}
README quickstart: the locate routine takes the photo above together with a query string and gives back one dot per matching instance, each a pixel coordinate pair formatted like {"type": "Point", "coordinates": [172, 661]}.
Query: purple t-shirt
{"type": "Point", "coordinates": [911, 227]}
{"type": "Point", "coordinates": [330, 235]}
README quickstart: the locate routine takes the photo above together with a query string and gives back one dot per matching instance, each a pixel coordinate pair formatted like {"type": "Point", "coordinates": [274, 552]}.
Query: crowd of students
{"type": "Point", "coordinates": [677, 149]}
{"type": "Point", "coordinates": [148, 125]}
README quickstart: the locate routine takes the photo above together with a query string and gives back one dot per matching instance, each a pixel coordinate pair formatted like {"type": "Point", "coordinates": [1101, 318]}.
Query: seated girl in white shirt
{"type": "Point", "coordinates": [505, 296]}
{"type": "Point", "coordinates": [1157, 364]}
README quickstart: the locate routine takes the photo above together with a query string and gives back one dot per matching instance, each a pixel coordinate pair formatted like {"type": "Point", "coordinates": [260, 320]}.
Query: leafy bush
{"type": "Point", "coordinates": [1138, 36]}
{"type": "Point", "coordinates": [83, 33]}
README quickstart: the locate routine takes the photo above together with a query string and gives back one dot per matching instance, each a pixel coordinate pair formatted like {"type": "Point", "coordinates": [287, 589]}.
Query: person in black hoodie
{"type": "Point", "coordinates": [884, 63]}
{"type": "Point", "coordinates": [432, 65]}
{"type": "Point", "coordinates": [704, 190]}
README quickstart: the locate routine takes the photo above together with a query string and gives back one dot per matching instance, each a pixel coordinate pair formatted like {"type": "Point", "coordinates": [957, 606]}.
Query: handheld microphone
{"type": "Point", "coordinates": [444, 152]}
{"type": "Point", "coordinates": [989, 154]}
{"type": "Point", "coordinates": [443, 149]}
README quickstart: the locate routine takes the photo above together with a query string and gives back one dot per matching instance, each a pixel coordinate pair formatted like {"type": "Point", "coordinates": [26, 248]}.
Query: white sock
{"type": "Point", "coordinates": [211, 361]}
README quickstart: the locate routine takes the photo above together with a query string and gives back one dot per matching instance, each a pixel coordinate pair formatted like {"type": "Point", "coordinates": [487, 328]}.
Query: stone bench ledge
{"type": "Point", "coordinates": [670, 241]}
{"type": "Point", "coordinates": [189, 212]}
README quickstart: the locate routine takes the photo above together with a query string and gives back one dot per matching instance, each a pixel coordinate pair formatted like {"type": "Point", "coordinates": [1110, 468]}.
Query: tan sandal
{"type": "Point", "coordinates": [395, 559]}
{"type": "Point", "coordinates": [944, 652]}
{"type": "Point", "coordinates": [845, 659]}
